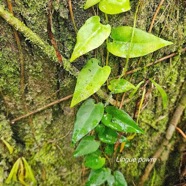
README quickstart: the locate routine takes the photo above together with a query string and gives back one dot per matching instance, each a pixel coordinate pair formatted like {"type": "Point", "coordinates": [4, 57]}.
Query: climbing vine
{"type": "Point", "coordinates": [100, 128]}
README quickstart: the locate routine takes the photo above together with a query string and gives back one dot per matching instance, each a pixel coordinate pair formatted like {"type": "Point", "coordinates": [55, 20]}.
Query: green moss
{"type": "Point", "coordinates": [47, 135]}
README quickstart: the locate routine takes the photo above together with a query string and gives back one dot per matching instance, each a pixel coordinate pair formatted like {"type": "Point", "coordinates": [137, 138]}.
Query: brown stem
{"type": "Point", "coordinates": [51, 35]}
{"type": "Point", "coordinates": [155, 15]}
{"type": "Point", "coordinates": [155, 62]}
{"type": "Point", "coordinates": [72, 15]}
{"type": "Point", "coordinates": [21, 58]}
{"type": "Point", "coordinates": [181, 132]}
{"type": "Point", "coordinates": [40, 109]}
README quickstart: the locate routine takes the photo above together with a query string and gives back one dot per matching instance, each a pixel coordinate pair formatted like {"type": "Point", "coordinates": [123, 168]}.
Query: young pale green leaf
{"type": "Point", "coordinates": [120, 85]}
{"type": "Point", "coordinates": [120, 121]}
{"type": "Point", "coordinates": [88, 117]}
{"type": "Point", "coordinates": [109, 136]}
{"type": "Point", "coordinates": [136, 88]}
{"type": "Point", "coordinates": [89, 80]}
{"type": "Point", "coordinates": [114, 6]}
{"type": "Point", "coordinates": [163, 94]}
{"type": "Point", "coordinates": [98, 177]}
{"type": "Point", "coordinates": [90, 36]}
{"type": "Point", "coordinates": [142, 44]}
{"type": "Point", "coordinates": [13, 172]}
{"type": "Point", "coordinates": [28, 171]}
{"type": "Point", "coordinates": [9, 147]}
{"type": "Point", "coordinates": [119, 179]}
{"type": "Point", "coordinates": [90, 3]}
{"type": "Point", "coordinates": [86, 146]}
{"type": "Point", "coordinates": [94, 161]}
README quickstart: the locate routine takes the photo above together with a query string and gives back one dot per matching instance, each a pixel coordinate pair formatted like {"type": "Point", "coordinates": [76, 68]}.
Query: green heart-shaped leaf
{"type": "Point", "coordinates": [120, 85]}
{"type": "Point", "coordinates": [90, 3]}
{"type": "Point", "coordinates": [88, 117]}
{"type": "Point", "coordinates": [94, 161]}
{"type": "Point", "coordinates": [89, 80]}
{"type": "Point", "coordinates": [120, 121]}
{"type": "Point", "coordinates": [86, 146]}
{"type": "Point", "coordinates": [114, 6]}
{"type": "Point", "coordinates": [111, 180]}
{"type": "Point", "coordinates": [98, 177]}
{"type": "Point", "coordinates": [142, 44]}
{"type": "Point", "coordinates": [119, 179]}
{"type": "Point", "coordinates": [109, 136]}
{"type": "Point", "coordinates": [90, 36]}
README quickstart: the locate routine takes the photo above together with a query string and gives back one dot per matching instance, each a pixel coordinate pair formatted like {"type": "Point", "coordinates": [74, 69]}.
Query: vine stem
{"type": "Point", "coordinates": [107, 56]}
{"type": "Point", "coordinates": [131, 41]}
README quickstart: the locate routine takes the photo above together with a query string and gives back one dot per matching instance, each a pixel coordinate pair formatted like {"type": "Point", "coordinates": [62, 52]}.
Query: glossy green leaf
{"type": "Point", "coordinates": [109, 136]}
{"type": "Point", "coordinates": [111, 180]}
{"type": "Point", "coordinates": [90, 3]}
{"type": "Point", "coordinates": [163, 94]}
{"type": "Point", "coordinates": [86, 146]}
{"type": "Point", "coordinates": [120, 85]}
{"type": "Point", "coordinates": [142, 44]}
{"type": "Point", "coordinates": [87, 118]}
{"type": "Point", "coordinates": [114, 6]}
{"type": "Point", "coordinates": [94, 161]}
{"type": "Point", "coordinates": [120, 121]}
{"type": "Point", "coordinates": [98, 177]}
{"type": "Point", "coordinates": [100, 129]}
{"type": "Point", "coordinates": [89, 80]}
{"type": "Point", "coordinates": [119, 179]}
{"type": "Point", "coordinates": [90, 36]}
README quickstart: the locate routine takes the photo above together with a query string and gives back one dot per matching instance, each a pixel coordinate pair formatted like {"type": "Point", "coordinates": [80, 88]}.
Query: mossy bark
{"type": "Point", "coordinates": [44, 139]}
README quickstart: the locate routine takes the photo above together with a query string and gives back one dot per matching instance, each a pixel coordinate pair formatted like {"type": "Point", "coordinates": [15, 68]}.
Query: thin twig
{"type": "Point", "coordinates": [72, 15]}
{"type": "Point", "coordinates": [50, 34]}
{"type": "Point", "coordinates": [155, 62]}
{"type": "Point", "coordinates": [122, 101]}
{"type": "Point", "coordinates": [181, 132]}
{"type": "Point", "coordinates": [155, 15]}
{"type": "Point", "coordinates": [170, 131]}
{"type": "Point", "coordinates": [40, 109]}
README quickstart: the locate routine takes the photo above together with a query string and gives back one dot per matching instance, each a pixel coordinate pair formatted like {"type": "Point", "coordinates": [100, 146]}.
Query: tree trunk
{"type": "Point", "coordinates": [37, 81]}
